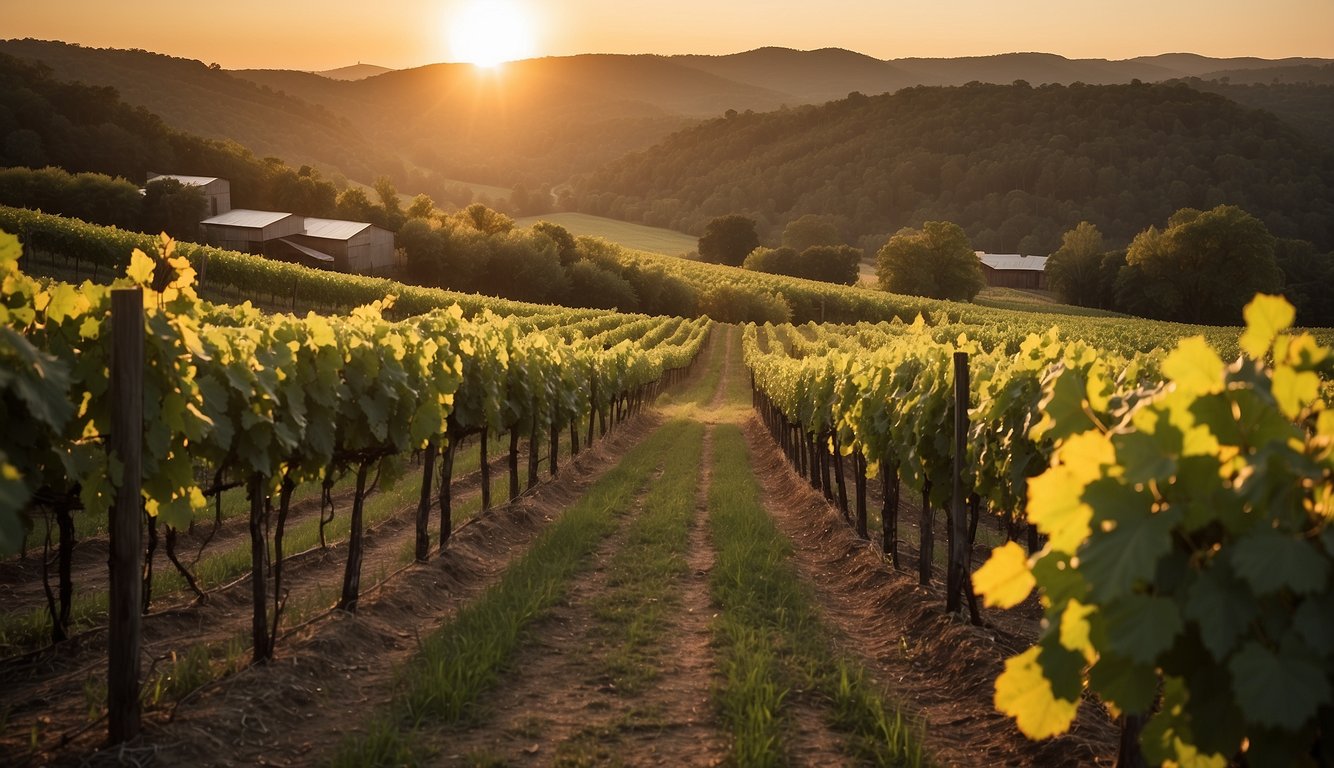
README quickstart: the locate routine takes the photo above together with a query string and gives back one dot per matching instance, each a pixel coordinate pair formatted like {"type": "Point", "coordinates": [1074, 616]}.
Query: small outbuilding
{"type": "Point", "coordinates": [1012, 270]}
{"type": "Point", "coordinates": [248, 231]}
{"type": "Point", "coordinates": [355, 246]}
{"type": "Point", "coordinates": [217, 192]}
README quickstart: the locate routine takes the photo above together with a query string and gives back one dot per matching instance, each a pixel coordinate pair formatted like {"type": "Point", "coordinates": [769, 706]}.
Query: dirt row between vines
{"type": "Point", "coordinates": [55, 689]}
{"type": "Point", "coordinates": [324, 671]}
{"type": "Point", "coordinates": [940, 669]}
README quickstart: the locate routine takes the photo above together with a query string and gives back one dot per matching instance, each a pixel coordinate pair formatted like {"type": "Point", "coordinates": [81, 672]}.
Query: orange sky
{"type": "Point", "coordinates": [300, 34]}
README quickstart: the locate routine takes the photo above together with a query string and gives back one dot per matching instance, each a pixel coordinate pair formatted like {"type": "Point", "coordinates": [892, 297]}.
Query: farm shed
{"type": "Point", "coordinates": [217, 192]}
{"type": "Point", "coordinates": [248, 231]}
{"type": "Point", "coordinates": [1012, 270]}
{"type": "Point", "coordinates": [355, 246]}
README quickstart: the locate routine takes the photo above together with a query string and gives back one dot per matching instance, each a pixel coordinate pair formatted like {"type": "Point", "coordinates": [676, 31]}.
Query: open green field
{"type": "Point", "coordinates": [634, 236]}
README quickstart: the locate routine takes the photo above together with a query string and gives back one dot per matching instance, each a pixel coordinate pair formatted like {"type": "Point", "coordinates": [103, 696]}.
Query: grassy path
{"type": "Point", "coordinates": [659, 621]}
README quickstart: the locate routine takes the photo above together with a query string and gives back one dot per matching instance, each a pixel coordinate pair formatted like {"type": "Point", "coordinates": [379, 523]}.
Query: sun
{"type": "Point", "coordinates": [489, 32]}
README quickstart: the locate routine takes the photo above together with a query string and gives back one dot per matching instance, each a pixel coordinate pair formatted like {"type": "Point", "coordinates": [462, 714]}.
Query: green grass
{"type": "Point", "coordinates": [642, 577]}
{"type": "Point", "coordinates": [771, 640]}
{"type": "Point", "coordinates": [467, 656]}
{"type": "Point", "coordinates": [638, 237]}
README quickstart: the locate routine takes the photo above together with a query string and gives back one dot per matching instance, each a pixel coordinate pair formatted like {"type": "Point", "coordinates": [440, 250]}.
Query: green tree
{"type": "Point", "coordinates": [391, 211]}
{"type": "Point", "coordinates": [565, 243]}
{"type": "Point", "coordinates": [1308, 281]}
{"type": "Point", "coordinates": [1203, 268]}
{"type": "Point", "coordinates": [172, 207]}
{"type": "Point", "coordinates": [485, 220]}
{"type": "Point", "coordinates": [421, 207]}
{"type": "Point", "coordinates": [728, 240]}
{"type": "Point", "coordinates": [354, 205]}
{"type": "Point", "coordinates": [811, 230]}
{"type": "Point", "coordinates": [830, 263]}
{"type": "Point", "coordinates": [772, 261]}
{"type": "Point", "coordinates": [593, 286]}
{"type": "Point", "coordinates": [1073, 270]}
{"type": "Point", "coordinates": [936, 261]}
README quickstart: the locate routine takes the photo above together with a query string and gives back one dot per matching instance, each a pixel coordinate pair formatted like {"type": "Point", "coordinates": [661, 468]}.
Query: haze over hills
{"type": "Point", "coordinates": [356, 71]}
{"type": "Point", "coordinates": [541, 122]}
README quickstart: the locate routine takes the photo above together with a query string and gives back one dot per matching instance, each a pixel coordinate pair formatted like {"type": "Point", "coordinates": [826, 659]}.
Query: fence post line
{"type": "Point", "coordinates": [958, 521]}
{"type": "Point", "coordinates": [124, 634]}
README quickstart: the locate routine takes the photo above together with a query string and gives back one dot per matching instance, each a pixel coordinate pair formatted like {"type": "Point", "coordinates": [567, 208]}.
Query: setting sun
{"type": "Point", "coordinates": [488, 32]}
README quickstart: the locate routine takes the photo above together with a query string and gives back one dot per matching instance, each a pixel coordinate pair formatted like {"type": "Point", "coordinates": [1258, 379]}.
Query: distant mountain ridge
{"type": "Point", "coordinates": [541, 122]}
{"type": "Point", "coordinates": [356, 71]}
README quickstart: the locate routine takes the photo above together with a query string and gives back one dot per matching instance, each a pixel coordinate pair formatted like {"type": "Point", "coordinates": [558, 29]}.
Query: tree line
{"type": "Point", "coordinates": [1015, 166]}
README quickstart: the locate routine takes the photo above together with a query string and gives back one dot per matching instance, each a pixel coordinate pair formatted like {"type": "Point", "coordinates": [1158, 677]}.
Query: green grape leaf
{"type": "Point", "coordinates": [1269, 561]}
{"type": "Point", "coordinates": [1194, 367]}
{"type": "Point", "coordinates": [1054, 506]}
{"type": "Point", "coordinates": [1143, 456]}
{"type": "Point", "coordinates": [1128, 686]}
{"type": "Point", "coordinates": [1059, 581]}
{"type": "Point", "coordinates": [1004, 580]}
{"type": "Point", "coordinates": [1278, 690]}
{"type": "Point", "coordinates": [1114, 561]}
{"type": "Point", "coordinates": [1062, 407]}
{"type": "Point", "coordinates": [1294, 390]}
{"type": "Point", "coordinates": [140, 269]}
{"type": "Point", "coordinates": [1141, 627]}
{"type": "Point", "coordinates": [10, 251]}
{"type": "Point", "coordinates": [1168, 736]}
{"type": "Point", "coordinates": [13, 496]}
{"type": "Point", "coordinates": [1266, 316]}
{"type": "Point", "coordinates": [1222, 608]}
{"type": "Point", "coordinates": [1314, 621]}
{"type": "Point", "coordinates": [1024, 693]}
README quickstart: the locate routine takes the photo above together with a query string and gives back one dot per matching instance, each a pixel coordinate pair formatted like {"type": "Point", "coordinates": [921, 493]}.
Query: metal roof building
{"type": "Point", "coordinates": [245, 230]}
{"type": "Point", "coordinates": [356, 246]}
{"type": "Point", "coordinates": [1013, 270]}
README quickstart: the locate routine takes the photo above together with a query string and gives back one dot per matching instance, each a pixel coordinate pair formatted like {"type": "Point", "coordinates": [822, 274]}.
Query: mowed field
{"type": "Point", "coordinates": [635, 236]}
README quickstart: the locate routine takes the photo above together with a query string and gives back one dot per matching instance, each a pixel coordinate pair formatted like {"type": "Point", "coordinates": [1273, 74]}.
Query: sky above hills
{"type": "Point", "coordinates": [404, 33]}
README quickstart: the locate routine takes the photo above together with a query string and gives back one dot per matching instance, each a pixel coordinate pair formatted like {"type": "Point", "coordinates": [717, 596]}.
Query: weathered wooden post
{"type": "Point", "coordinates": [957, 576]}
{"type": "Point", "coordinates": [126, 530]}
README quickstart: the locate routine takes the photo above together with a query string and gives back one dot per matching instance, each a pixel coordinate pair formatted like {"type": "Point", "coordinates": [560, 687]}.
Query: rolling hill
{"type": "Point", "coordinates": [542, 121]}
{"type": "Point", "coordinates": [1014, 165]}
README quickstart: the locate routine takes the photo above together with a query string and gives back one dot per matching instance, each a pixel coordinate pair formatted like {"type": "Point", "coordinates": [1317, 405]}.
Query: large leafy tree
{"type": "Point", "coordinates": [728, 240]}
{"type": "Point", "coordinates": [1074, 269]}
{"type": "Point", "coordinates": [1203, 268]}
{"type": "Point", "coordinates": [811, 230]}
{"type": "Point", "coordinates": [936, 260]}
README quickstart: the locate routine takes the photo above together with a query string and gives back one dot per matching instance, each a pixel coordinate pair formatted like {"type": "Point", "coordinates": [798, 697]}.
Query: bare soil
{"type": "Point", "coordinates": [327, 673]}
{"type": "Point", "coordinates": [940, 669]}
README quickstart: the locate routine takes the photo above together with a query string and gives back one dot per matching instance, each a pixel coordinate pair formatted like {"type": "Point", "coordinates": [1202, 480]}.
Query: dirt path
{"type": "Point", "coordinates": [941, 670]}
{"type": "Point", "coordinates": [55, 684]}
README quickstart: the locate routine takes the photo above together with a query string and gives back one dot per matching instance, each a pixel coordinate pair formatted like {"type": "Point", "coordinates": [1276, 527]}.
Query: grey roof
{"type": "Point", "coordinates": [189, 181]}
{"type": "Point", "coordinates": [1013, 261]}
{"type": "Point", "coordinates": [241, 217]}
{"type": "Point", "coordinates": [311, 252]}
{"type": "Point", "coordinates": [334, 229]}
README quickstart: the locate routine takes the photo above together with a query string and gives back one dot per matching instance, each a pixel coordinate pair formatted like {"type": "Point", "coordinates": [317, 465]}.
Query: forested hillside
{"type": "Point", "coordinates": [207, 101]}
{"type": "Point", "coordinates": [83, 128]}
{"type": "Point", "coordinates": [1014, 165]}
